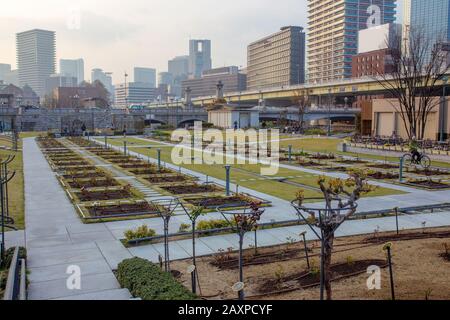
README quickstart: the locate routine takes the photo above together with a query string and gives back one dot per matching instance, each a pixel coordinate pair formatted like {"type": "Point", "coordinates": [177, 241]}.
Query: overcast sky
{"type": "Point", "coordinates": [117, 35]}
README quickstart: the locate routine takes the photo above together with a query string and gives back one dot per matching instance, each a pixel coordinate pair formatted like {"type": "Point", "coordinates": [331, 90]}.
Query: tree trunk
{"type": "Point", "coordinates": [328, 250]}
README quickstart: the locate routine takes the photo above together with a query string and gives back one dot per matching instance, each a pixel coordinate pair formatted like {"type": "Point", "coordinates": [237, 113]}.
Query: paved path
{"type": "Point", "coordinates": [57, 239]}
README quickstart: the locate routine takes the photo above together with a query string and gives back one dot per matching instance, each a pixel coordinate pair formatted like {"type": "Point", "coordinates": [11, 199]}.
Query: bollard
{"type": "Point", "coordinates": [106, 142]}
{"type": "Point", "coordinates": [227, 175]}
{"type": "Point", "coordinates": [306, 249]}
{"type": "Point", "coordinates": [159, 159]}
{"type": "Point", "coordinates": [125, 148]}
{"type": "Point", "coordinates": [290, 153]}
{"type": "Point", "coordinates": [388, 247]}
{"type": "Point", "coordinates": [402, 160]}
{"type": "Point", "coordinates": [396, 220]}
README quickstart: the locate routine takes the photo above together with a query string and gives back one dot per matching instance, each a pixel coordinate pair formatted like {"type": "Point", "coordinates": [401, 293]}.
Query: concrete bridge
{"type": "Point", "coordinates": [72, 120]}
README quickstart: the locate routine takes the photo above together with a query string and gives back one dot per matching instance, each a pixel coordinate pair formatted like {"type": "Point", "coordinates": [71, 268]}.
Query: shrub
{"type": "Point", "coordinates": [140, 233]}
{"type": "Point", "coordinates": [148, 282]}
{"type": "Point", "coordinates": [9, 255]}
{"type": "Point", "coordinates": [184, 227]}
{"type": "Point", "coordinates": [212, 224]}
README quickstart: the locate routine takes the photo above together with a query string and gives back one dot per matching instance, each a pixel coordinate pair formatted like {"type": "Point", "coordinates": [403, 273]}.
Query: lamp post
{"type": "Point", "coordinates": [329, 112]}
{"type": "Point", "coordinates": [443, 113]}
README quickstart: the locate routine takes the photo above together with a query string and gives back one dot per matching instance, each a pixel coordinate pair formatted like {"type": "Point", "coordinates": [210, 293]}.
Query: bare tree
{"type": "Point", "coordinates": [418, 65]}
{"type": "Point", "coordinates": [301, 100]}
{"type": "Point", "coordinates": [341, 198]}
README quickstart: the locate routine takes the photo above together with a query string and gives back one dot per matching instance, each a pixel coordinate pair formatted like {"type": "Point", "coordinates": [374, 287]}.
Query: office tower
{"type": "Point", "coordinates": [333, 34]}
{"type": "Point", "coordinates": [4, 70]}
{"type": "Point", "coordinates": [199, 57]}
{"type": "Point", "coordinates": [179, 68]}
{"type": "Point", "coordinates": [432, 17]}
{"type": "Point", "coordinates": [145, 75]}
{"type": "Point", "coordinates": [103, 77]}
{"type": "Point", "coordinates": [58, 80]}
{"type": "Point", "coordinates": [277, 60]}
{"type": "Point", "coordinates": [165, 78]}
{"type": "Point", "coordinates": [134, 93]}
{"type": "Point", "coordinates": [232, 79]}
{"type": "Point", "coordinates": [72, 68]}
{"type": "Point", "coordinates": [36, 58]}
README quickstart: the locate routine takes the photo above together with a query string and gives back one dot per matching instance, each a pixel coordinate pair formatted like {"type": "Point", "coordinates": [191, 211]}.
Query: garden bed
{"type": "Point", "coordinates": [322, 156]}
{"type": "Point", "coordinates": [307, 279]}
{"type": "Point", "coordinates": [92, 183]}
{"type": "Point", "coordinates": [103, 195]}
{"type": "Point", "coordinates": [383, 166]}
{"type": "Point", "coordinates": [157, 179]}
{"type": "Point", "coordinates": [84, 174]}
{"type": "Point", "coordinates": [149, 171]}
{"type": "Point", "coordinates": [378, 175]}
{"type": "Point", "coordinates": [214, 202]}
{"type": "Point", "coordinates": [191, 189]}
{"type": "Point", "coordinates": [430, 172]}
{"type": "Point", "coordinates": [428, 184]}
{"type": "Point", "coordinates": [121, 210]}
{"type": "Point", "coordinates": [304, 163]}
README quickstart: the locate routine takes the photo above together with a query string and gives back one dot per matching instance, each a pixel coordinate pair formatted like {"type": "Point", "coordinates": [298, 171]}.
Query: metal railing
{"type": "Point", "coordinates": [16, 282]}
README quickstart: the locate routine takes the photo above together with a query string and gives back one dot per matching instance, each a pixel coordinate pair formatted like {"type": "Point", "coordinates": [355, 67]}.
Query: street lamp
{"type": "Point", "coordinates": [329, 112]}
{"type": "Point", "coordinates": [442, 116]}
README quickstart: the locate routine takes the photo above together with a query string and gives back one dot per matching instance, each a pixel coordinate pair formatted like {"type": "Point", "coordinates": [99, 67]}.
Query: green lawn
{"type": "Point", "coordinates": [325, 145]}
{"type": "Point", "coordinates": [16, 188]}
{"type": "Point", "coordinates": [244, 175]}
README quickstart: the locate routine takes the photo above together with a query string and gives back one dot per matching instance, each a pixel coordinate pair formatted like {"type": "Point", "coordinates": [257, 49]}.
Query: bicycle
{"type": "Point", "coordinates": [422, 160]}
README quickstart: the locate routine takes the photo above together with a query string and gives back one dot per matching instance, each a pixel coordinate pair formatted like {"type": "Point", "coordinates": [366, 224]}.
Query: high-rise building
{"type": "Point", "coordinates": [58, 80]}
{"type": "Point", "coordinates": [333, 34]}
{"type": "Point", "coordinates": [165, 78]}
{"type": "Point", "coordinates": [277, 60]}
{"type": "Point", "coordinates": [4, 70]}
{"type": "Point", "coordinates": [199, 57]}
{"type": "Point", "coordinates": [230, 77]}
{"type": "Point", "coordinates": [179, 68]}
{"type": "Point", "coordinates": [72, 68]}
{"type": "Point", "coordinates": [430, 16]}
{"type": "Point", "coordinates": [145, 75]}
{"type": "Point", "coordinates": [36, 58]}
{"type": "Point", "coordinates": [134, 93]}
{"type": "Point", "coordinates": [105, 78]}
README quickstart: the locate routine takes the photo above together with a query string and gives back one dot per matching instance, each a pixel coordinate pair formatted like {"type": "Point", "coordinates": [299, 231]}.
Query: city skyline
{"type": "Point", "coordinates": [121, 41]}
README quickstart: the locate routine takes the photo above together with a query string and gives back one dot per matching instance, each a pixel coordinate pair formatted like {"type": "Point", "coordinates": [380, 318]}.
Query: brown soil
{"type": "Point", "coordinates": [70, 163]}
{"type": "Point", "coordinates": [383, 175]}
{"type": "Point", "coordinates": [84, 174]}
{"type": "Point", "coordinates": [431, 172]}
{"type": "Point", "coordinates": [165, 179]}
{"type": "Point", "coordinates": [352, 161]}
{"type": "Point", "coordinates": [103, 195]}
{"type": "Point", "coordinates": [322, 157]}
{"type": "Point", "coordinates": [307, 279]}
{"type": "Point", "coordinates": [429, 184]}
{"type": "Point", "coordinates": [383, 166]}
{"type": "Point", "coordinates": [123, 209]}
{"type": "Point", "coordinates": [309, 164]}
{"type": "Point", "coordinates": [150, 170]}
{"type": "Point", "coordinates": [338, 169]}
{"type": "Point", "coordinates": [418, 270]}
{"type": "Point", "coordinates": [76, 168]}
{"type": "Point", "coordinates": [214, 202]}
{"type": "Point", "coordinates": [92, 183]}
{"type": "Point", "coordinates": [191, 189]}
{"type": "Point", "coordinates": [136, 165]}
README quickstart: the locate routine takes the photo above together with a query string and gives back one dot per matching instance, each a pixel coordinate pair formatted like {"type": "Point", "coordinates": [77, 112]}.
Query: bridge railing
{"type": "Point", "coordinates": [16, 283]}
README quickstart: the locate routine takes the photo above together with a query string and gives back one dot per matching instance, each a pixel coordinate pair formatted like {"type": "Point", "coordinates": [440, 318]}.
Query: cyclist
{"type": "Point", "coordinates": [414, 150]}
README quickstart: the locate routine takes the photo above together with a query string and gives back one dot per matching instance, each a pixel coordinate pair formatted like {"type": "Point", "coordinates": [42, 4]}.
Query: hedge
{"type": "Point", "coordinates": [147, 281]}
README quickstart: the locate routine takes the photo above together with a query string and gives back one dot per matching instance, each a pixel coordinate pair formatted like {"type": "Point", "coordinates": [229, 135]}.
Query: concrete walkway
{"type": "Point", "coordinates": [56, 239]}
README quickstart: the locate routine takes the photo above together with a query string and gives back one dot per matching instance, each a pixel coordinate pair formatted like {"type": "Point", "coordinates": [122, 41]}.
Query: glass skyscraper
{"type": "Point", "coordinates": [333, 34]}
{"type": "Point", "coordinates": [432, 16]}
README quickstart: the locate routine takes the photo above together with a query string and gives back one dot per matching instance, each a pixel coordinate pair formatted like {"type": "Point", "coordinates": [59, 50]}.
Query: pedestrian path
{"type": "Point", "coordinates": [56, 239]}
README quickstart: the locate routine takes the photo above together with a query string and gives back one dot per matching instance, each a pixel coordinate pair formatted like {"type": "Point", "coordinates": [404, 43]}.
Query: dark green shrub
{"type": "Point", "coordinates": [9, 255]}
{"type": "Point", "coordinates": [147, 281]}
